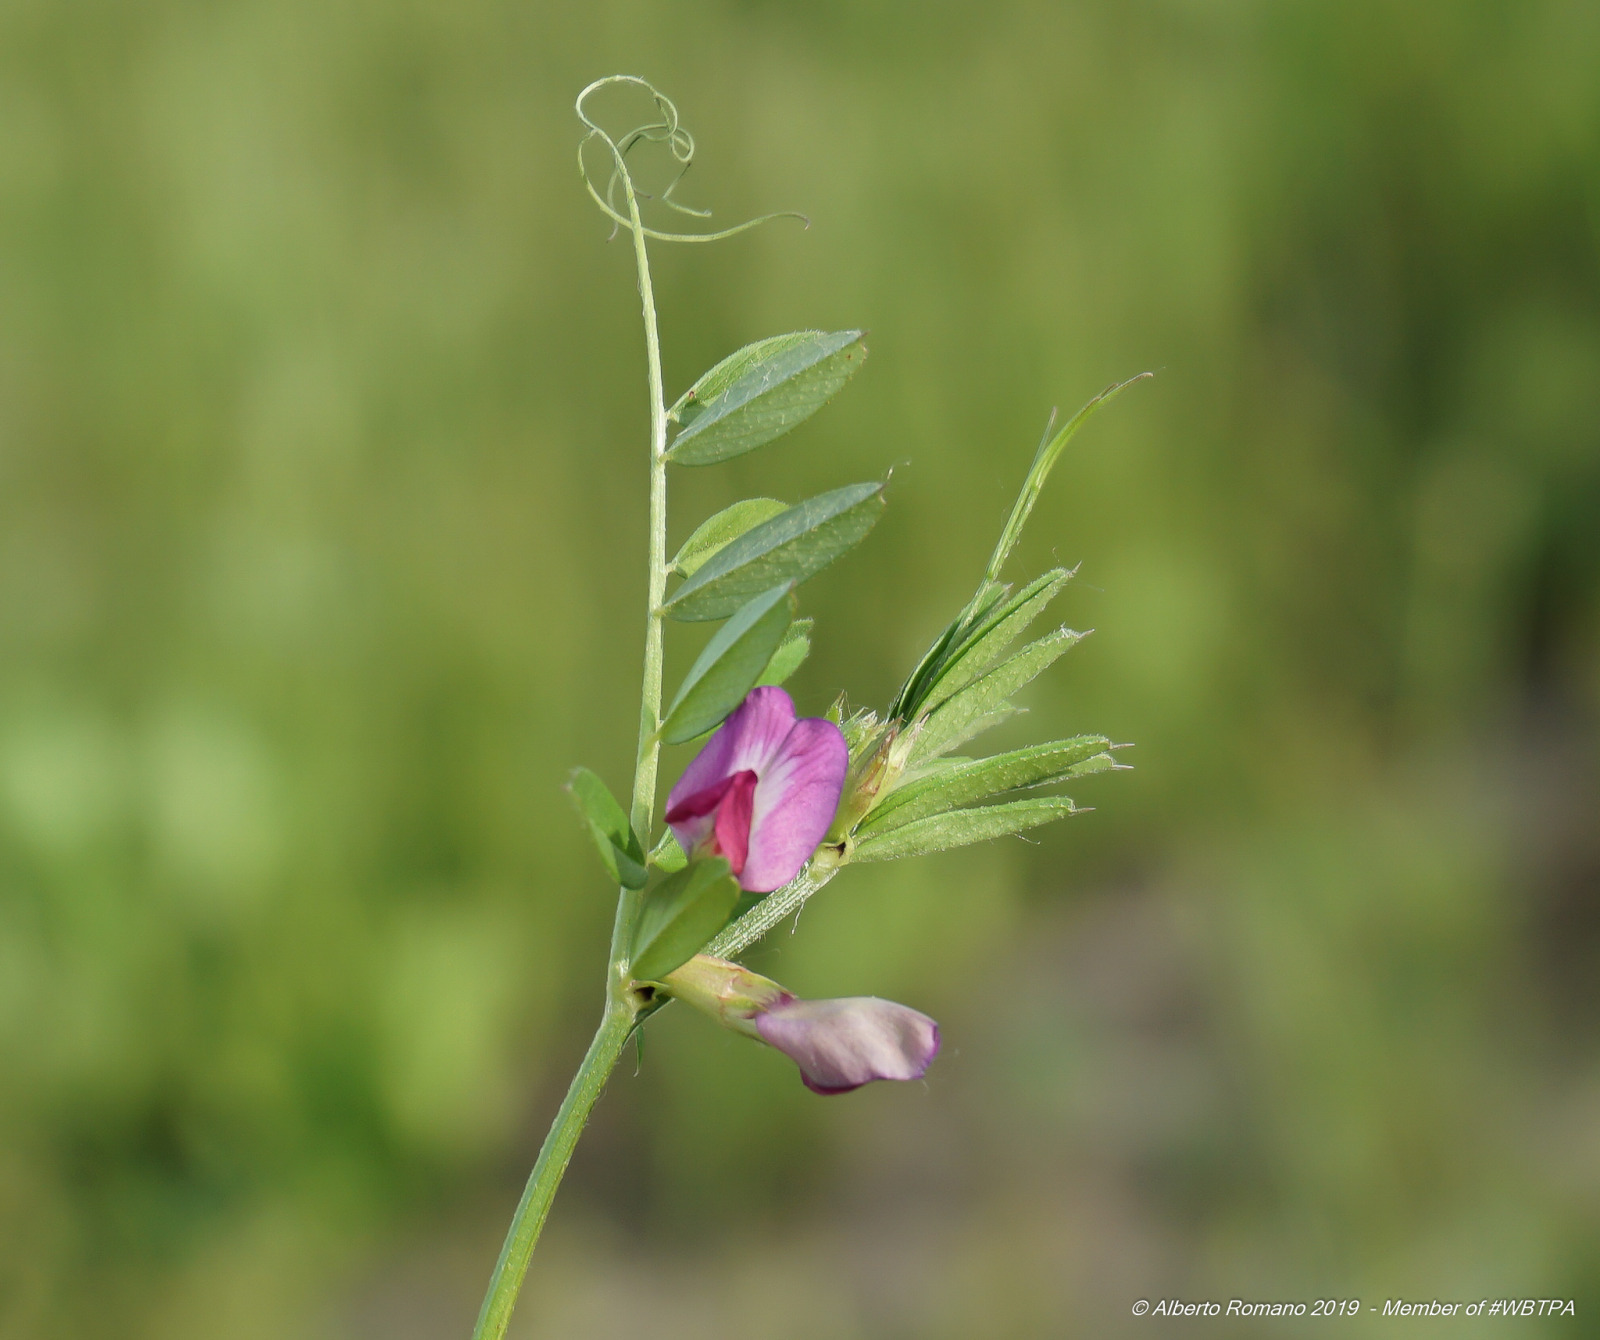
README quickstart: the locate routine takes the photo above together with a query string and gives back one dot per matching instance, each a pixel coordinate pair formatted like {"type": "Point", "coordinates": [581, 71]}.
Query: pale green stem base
{"type": "Point", "coordinates": [554, 1156]}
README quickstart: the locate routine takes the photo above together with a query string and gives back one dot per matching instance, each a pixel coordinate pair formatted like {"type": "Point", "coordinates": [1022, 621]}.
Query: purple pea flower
{"type": "Point", "coordinates": [839, 1045]}
{"type": "Point", "coordinates": [842, 1044]}
{"type": "Point", "coordinates": [762, 792]}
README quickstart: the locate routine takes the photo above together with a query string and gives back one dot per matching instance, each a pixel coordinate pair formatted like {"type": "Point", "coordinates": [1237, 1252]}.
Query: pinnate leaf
{"type": "Point", "coordinates": [680, 915]}
{"type": "Point", "coordinates": [958, 828]}
{"type": "Point", "coordinates": [986, 701]}
{"type": "Point", "coordinates": [795, 544]}
{"type": "Point", "coordinates": [761, 392]}
{"type": "Point", "coordinates": [964, 783]}
{"type": "Point", "coordinates": [989, 637]}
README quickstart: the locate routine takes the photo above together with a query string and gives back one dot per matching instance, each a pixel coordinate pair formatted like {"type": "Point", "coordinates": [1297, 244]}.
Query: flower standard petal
{"type": "Point", "coordinates": [840, 1045]}
{"type": "Point", "coordinates": [798, 768]}
{"type": "Point", "coordinates": [795, 801]}
{"type": "Point", "coordinates": [747, 739]}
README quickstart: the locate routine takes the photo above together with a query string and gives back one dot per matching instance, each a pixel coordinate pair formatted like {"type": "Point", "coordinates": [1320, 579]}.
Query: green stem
{"type": "Point", "coordinates": [554, 1156]}
{"type": "Point", "coordinates": [621, 1004]}
{"type": "Point", "coordinates": [642, 813]}
{"type": "Point", "coordinates": [772, 909]}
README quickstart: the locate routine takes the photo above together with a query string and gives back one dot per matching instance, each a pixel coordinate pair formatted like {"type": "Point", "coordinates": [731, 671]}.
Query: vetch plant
{"type": "Point", "coordinates": [774, 805]}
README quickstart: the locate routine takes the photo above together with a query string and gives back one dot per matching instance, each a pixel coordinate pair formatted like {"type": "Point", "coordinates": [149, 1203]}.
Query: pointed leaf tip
{"type": "Point", "coordinates": [1044, 460]}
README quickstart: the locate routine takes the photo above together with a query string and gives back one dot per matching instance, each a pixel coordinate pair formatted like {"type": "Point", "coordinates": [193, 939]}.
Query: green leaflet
{"type": "Point", "coordinates": [730, 665]}
{"type": "Point", "coordinates": [761, 392]}
{"type": "Point", "coordinates": [789, 548]}
{"type": "Point", "coordinates": [790, 655]}
{"type": "Point", "coordinates": [960, 827]}
{"type": "Point", "coordinates": [1043, 462]}
{"type": "Point", "coordinates": [712, 384]}
{"type": "Point", "coordinates": [916, 685]}
{"type": "Point", "coordinates": [614, 838]}
{"type": "Point", "coordinates": [984, 702]}
{"type": "Point", "coordinates": [948, 788]}
{"type": "Point", "coordinates": [959, 732]}
{"type": "Point", "coordinates": [788, 658]}
{"type": "Point", "coordinates": [978, 649]}
{"type": "Point", "coordinates": [668, 856]}
{"type": "Point", "coordinates": [726, 526]}
{"type": "Point", "coordinates": [680, 915]}
{"type": "Point", "coordinates": [936, 669]}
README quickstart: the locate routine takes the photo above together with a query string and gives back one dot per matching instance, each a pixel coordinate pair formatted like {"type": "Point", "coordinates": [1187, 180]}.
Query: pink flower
{"type": "Point", "coordinates": [839, 1045]}
{"type": "Point", "coordinates": [762, 792]}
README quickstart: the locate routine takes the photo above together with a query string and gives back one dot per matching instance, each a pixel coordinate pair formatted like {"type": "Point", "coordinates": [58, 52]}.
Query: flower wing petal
{"type": "Point", "coordinates": [748, 739]}
{"type": "Point", "coordinates": [795, 802]}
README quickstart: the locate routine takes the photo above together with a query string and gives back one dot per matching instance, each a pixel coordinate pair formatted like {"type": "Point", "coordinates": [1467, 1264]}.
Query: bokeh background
{"type": "Point", "coordinates": [322, 502]}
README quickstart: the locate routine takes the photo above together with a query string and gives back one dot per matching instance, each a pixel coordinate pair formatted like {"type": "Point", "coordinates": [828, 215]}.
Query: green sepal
{"type": "Point", "coordinates": [792, 546]}
{"type": "Point", "coordinates": [958, 828]}
{"type": "Point", "coordinates": [620, 850]}
{"type": "Point", "coordinates": [761, 392]}
{"type": "Point", "coordinates": [730, 665]}
{"type": "Point", "coordinates": [861, 729]}
{"type": "Point", "coordinates": [722, 529]}
{"type": "Point", "coordinates": [680, 915]}
{"type": "Point", "coordinates": [965, 783]}
{"type": "Point", "coordinates": [790, 655]}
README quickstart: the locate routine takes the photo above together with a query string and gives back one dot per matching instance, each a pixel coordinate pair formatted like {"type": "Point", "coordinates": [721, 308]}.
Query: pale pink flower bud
{"type": "Point", "coordinates": [839, 1045]}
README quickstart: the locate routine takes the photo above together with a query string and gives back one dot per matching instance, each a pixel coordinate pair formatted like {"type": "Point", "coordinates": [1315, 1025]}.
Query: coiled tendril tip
{"type": "Point", "coordinates": [668, 131]}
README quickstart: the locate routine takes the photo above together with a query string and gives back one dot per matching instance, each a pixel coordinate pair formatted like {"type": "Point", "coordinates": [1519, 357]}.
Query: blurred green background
{"type": "Point", "coordinates": [322, 431]}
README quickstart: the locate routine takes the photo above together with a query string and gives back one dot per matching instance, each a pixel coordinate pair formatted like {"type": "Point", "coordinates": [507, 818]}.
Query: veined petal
{"type": "Point", "coordinates": [795, 800]}
{"type": "Point", "coordinates": [799, 769]}
{"type": "Point", "coordinates": [716, 821]}
{"type": "Point", "coordinates": [693, 815]}
{"type": "Point", "coordinates": [747, 739]}
{"type": "Point", "coordinates": [840, 1045]}
{"type": "Point", "coordinates": [733, 820]}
